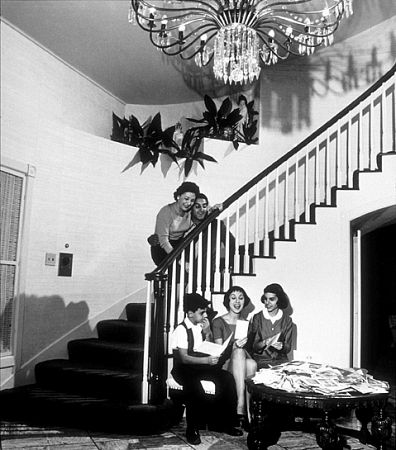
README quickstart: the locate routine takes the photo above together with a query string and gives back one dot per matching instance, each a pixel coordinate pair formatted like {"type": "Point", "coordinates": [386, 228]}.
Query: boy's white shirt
{"type": "Point", "coordinates": [179, 336]}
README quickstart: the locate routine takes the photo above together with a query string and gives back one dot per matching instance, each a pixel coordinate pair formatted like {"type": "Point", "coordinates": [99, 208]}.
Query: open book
{"type": "Point", "coordinates": [212, 349]}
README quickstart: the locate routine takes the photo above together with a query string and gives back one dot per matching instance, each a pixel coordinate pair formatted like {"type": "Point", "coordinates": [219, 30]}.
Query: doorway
{"type": "Point", "coordinates": [378, 300]}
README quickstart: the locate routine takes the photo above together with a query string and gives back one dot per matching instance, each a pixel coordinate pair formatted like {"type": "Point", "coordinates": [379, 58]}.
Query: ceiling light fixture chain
{"type": "Point", "coordinates": [238, 34]}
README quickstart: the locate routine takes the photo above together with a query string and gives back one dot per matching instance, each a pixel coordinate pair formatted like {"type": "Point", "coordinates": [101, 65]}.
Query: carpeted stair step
{"type": "Point", "coordinates": [89, 379]}
{"type": "Point", "coordinates": [121, 331]}
{"type": "Point", "coordinates": [136, 312]}
{"type": "Point", "coordinates": [117, 355]}
{"type": "Point", "coordinates": [45, 407]}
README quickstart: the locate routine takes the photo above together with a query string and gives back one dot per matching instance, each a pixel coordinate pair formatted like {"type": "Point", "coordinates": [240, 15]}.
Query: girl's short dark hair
{"type": "Point", "coordinates": [226, 301]}
{"type": "Point", "coordinates": [274, 288]}
{"type": "Point", "coordinates": [187, 186]}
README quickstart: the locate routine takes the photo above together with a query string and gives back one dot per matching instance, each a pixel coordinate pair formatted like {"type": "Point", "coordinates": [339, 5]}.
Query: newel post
{"type": "Point", "coordinates": [157, 348]}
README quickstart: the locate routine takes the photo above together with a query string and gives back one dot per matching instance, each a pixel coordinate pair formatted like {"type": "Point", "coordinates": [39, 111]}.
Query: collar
{"type": "Point", "coordinates": [189, 324]}
{"type": "Point", "coordinates": [273, 319]}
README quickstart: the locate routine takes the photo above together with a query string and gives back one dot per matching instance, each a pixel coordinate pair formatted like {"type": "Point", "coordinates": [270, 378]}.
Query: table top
{"type": "Point", "coordinates": [314, 400]}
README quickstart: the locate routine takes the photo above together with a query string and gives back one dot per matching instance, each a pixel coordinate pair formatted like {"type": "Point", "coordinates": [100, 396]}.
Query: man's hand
{"type": "Point", "coordinates": [153, 240]}
{"type": "Point", "coordinates": [206, 329]}
{"type": "Point", "coordinates": [218, 206]}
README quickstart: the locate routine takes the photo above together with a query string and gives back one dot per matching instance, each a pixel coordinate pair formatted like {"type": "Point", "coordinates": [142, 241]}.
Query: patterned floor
{"type": "Point", "coordinates": [21, 436]}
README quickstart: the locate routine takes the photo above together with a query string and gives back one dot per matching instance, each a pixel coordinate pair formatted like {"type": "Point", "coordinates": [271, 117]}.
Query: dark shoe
{"type": "Point", "coordinates": [242, 422]}
{"type": "Point", "coordinates": [193, 436]}
{"type": "Point", "coordinates": [232, 431]}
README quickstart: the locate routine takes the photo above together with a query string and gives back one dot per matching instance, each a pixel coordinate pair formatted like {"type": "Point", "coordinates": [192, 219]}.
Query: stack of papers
{"type": "Point", "coordinates": [298, 376]}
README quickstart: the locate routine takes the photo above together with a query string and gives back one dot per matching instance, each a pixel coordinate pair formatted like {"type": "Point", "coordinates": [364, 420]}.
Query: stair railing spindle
{"type": "Point", "coordinates": [172, 313]}
{"type": "Point", "coordinates": [181, 287]}
{"type": "Point", "coordinates": [327, 165]}
{"type": "Point", "coordinates": [147, 333]}
{"type": "Point", "coordinates": [317, 173]}
{"type": "Point", "coordinates": [349, 150]}
{"type": "Point", "coordinates": [237, 254]}
{"type": "Point", "coordinates": [227, 268]}
{"type": "Point", "coordinates": [208, 268]}
{"type": "Point", "coordinates": [371, 165]}
{"type": "Point", "coordinates": [286, 227]}
{"type": "Point", "coordinates": [337, 155]}
{"type": "Point", "coordinates": [266, 219]}
{"type": "Point", "coordinates": [246, 256]}
{"type": "Point", "coordinates": [307, 212]}
{"type": "Point", "coordinates": [276, 205]}
{"type": "Point", "coordinates": [190, 267]}
{"type": "Point", "coordinates": [360, 140]}
{"type": "Point", "coordinates": [217, 274]}
{"type": "Point", "coordinates": [199, 264]}
{"type": "Point", "coordinates": [296, 192]}
{"type": "Point", "coordinates": [390, 119]}
{"type": "Point", "coordinates": [256, 222]}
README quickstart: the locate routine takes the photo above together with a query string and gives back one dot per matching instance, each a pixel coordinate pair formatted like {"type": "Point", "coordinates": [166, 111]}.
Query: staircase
{"type": "Point", "coordinates": [117, 381]}
{"type": "Point", "coordinates": [267, 214]}
{"type": "Point", "coordinates": [98, 387]}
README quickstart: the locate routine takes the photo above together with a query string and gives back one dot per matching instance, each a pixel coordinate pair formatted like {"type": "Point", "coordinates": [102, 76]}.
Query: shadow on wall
{"type": "Point", "coordinates": [48, 325]}
{"type": "Point", "coordinates": [288, 87]}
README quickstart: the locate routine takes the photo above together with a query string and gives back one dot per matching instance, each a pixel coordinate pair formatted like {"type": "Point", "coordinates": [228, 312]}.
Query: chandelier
{"type": "Point", "coordinates": [237, 34]}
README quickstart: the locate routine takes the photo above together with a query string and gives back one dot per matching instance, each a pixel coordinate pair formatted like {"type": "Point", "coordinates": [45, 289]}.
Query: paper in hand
{"type": "Point", "coordinates": [272, 340]}
{"type": "Point", "coordinates": [212, 349]}
{"type": "Point", "coordinates": [241, 329]}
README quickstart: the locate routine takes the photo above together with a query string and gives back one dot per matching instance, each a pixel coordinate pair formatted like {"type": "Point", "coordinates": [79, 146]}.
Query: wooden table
{"type": "Point", "coordinates": [273, 411]}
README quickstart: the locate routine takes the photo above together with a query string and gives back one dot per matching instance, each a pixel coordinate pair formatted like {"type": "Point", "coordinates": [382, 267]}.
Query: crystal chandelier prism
{"type": "Point", "coordinates": [239, 34]}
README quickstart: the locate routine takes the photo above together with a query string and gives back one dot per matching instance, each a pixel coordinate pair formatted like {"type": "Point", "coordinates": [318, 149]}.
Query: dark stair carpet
{"type": "Point", "coordinates": [98, 387]}
{"type": "Point", "coordinates": [110, 354]}
{"type": "Point", "coordinates": [43, 407]}
{"type": "Point", "coordinates": [85, 378]}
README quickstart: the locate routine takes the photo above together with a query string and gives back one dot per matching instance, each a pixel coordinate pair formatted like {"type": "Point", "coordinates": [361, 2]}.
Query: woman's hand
{"type": "Point", "coordinates": [240, 342]}
{"type": "Point", "coordinates": [277, 345]}
{"type": "Point", "coordinates": [213, 360]}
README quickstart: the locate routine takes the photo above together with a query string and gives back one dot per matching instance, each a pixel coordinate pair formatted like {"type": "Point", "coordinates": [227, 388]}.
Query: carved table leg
{"type": "Point", "coordinates": [381, 429]}
{"type": "Point", "coordinates": [327, 436]}
{"type": "Point", "coordinates": [364, 415]}
{"type": "Point", "coordinates": [264, 430]}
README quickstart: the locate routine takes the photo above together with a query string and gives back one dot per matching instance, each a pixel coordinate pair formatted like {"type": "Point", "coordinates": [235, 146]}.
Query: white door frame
{"type": "Point", "coordinates": [356, 298]}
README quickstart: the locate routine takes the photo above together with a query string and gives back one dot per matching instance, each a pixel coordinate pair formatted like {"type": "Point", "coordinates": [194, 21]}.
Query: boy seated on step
{"type": "Point", "coordinates": [191, 367]}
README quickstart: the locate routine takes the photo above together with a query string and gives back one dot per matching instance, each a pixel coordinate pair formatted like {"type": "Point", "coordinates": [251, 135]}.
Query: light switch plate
{"type": "Point", "coordinates": [50, 259]}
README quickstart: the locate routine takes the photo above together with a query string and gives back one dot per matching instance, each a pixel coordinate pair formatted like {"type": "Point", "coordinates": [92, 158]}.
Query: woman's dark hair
{"type": "Point", "coordinates": [274, 288]}
{"type": "Point", "coordinates": [226, 301]}
{"type": "Point", "coordinates": [187, 186]}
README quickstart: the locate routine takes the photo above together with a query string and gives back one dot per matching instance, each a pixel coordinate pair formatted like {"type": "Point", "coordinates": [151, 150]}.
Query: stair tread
{"type": "Point", "coordinates": [57, 407]}
{"type": "Point", "coordinates": [105, 343]}
{"type": "Point", "coordinates": [89, 367]}
{"type": "Point", "coordinates": [122, 322]}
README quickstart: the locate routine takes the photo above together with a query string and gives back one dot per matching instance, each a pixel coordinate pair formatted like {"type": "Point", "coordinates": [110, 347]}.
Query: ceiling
{"type": "Point", "coordinates": [94, 37]}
